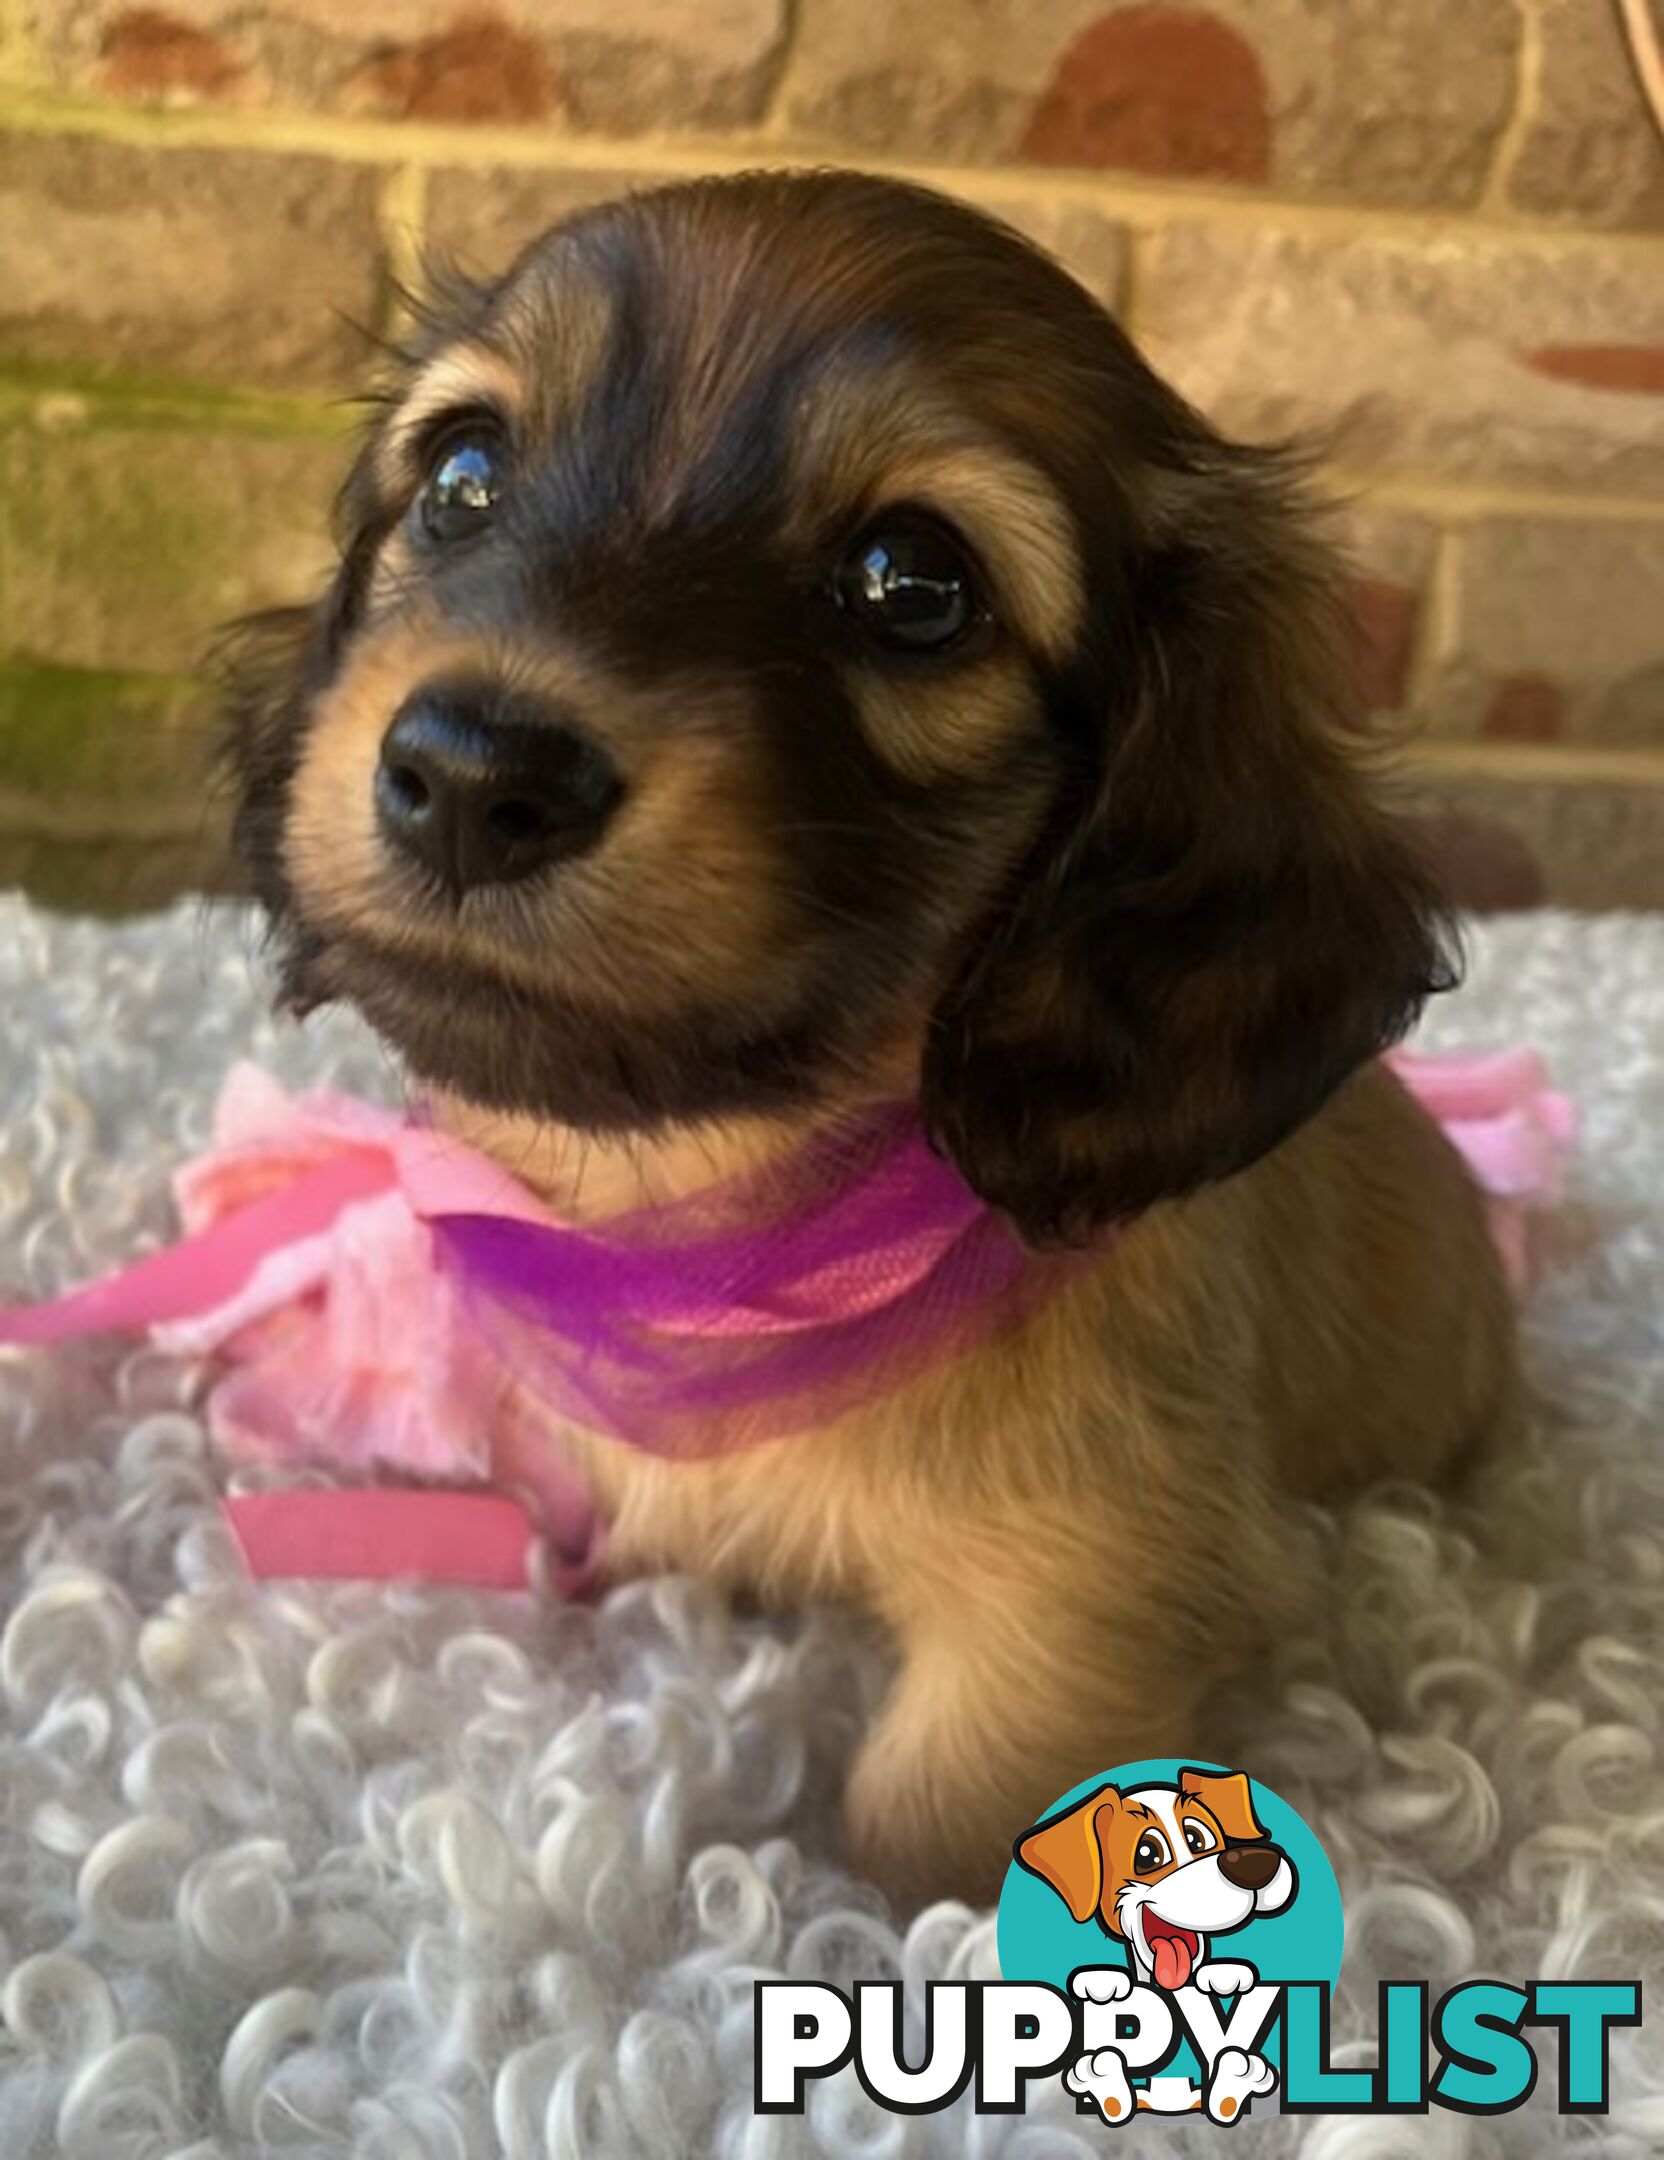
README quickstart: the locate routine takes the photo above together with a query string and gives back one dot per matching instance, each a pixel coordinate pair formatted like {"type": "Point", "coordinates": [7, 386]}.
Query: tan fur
{"type": "Point", "coordinates": [683, 885]}
{"type": "Point", "coordinates": [895, 440]}
{"type": "Point", "coordinates": [1018, 526]}
{"type": "Point", "coordinates": [1121, 1473]}
{"type": "Point", "coordinates": [463, 378]}
{"type": "Point", "coordinates": [1137, 971]}
{"type": "Point", "coordinates": [924, 736]}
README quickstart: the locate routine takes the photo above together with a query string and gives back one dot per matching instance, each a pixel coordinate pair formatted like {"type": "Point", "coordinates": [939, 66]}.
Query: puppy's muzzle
{"type": "Point", "coordinates": [1249, 1867]}
{"type": "Point", "coordinates": [481, 788]}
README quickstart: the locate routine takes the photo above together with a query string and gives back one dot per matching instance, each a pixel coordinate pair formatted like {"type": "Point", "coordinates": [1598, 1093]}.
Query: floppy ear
{"type": "Point", "coordinates": [1067, 1852]}
{"type": "Point", "coordinates": [268, 667]}
{"type": "Point", "coordinates": [1230, 1801]}
{"type": "Point", "coordinates": [1221, 923]}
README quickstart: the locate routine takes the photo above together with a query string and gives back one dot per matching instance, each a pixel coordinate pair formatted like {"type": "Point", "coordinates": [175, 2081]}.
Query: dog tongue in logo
{"type": "Point", "coordinates": [1172, 1948]}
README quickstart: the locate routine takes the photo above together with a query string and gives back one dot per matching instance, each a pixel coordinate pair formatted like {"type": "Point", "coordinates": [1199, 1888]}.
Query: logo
{"type": "Point", "coordinates": [1169, 1934]}
{"type": "Point", "coordinates": [1172, 1902]}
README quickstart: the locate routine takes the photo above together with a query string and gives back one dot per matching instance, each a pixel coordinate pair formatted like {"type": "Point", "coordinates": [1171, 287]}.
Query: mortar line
{"type": "Point", "coordinates": [112, 403]}
{"type": "Point", "coordinates": [1129, 299]}
{"type": "Point", "coordinates": [1589, 764]}
{"type": "Point", "coordinates": [401, 222]}
{"type": "Point", "coordinates": [1435, 619]}
{"type": "Point", "coordinates": [781, 65]}
{"type": "Point", "coordinates": [1528, 91]}
{"type": "Point", "coordinates": [1462, 502]}
{"type": "Point", "coordinates": [19, 66]}
{"type": "Point", "coordinates": [431, 143]}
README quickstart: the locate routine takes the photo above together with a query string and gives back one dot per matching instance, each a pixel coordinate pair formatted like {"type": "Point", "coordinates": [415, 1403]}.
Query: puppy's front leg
{"type": "Point", "coordinates": [1010, 1692]}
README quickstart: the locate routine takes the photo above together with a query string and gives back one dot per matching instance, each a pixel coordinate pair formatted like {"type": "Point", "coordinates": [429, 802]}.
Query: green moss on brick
{"type": "Point", "coordinates": [125, 398]}
{"type": "Point", "coordinates": [115, 878]}
{"type": "Point", "coordinates": [129, 550]}
{"type": "Point", "coordinates": [83, 734]}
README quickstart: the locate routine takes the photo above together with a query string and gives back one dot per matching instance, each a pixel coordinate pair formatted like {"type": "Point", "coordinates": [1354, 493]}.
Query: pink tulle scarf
{"type": "Point", "coordinates": [385, 1300]}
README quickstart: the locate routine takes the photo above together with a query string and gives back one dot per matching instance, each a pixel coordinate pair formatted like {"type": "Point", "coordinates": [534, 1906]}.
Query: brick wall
{"type": "Point", "coordinates": [1433, 229]}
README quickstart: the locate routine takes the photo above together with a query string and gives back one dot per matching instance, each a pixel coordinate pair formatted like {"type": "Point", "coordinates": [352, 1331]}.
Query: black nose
{"type": "Point", "coordinates": [482, 788]}
{"type": "Point", "coordinates": [1249, 1867]}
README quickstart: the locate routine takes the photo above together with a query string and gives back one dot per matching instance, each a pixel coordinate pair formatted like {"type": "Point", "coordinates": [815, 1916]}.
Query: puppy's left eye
{"type": "Point", "coordinates": [463, 486]}
{"type": "Point", "coordinates": [909, 586]}
{"type": "Point", "coordinates": [1198, 1836]}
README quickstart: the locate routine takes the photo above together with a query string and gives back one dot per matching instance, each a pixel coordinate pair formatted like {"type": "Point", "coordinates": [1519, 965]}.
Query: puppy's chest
{"type": "Point", "coordinates": [788, 1519]}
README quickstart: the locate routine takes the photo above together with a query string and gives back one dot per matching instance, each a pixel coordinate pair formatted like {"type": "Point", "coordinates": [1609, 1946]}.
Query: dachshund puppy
{"type": "Point", "coordinates": [788, 651]}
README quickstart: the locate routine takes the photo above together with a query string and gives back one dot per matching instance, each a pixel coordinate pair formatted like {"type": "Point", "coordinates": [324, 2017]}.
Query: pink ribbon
{"type": "Point", "coordinates": [309, 1266]}
{"type": "Point", "coordinates": [1511, 1128]}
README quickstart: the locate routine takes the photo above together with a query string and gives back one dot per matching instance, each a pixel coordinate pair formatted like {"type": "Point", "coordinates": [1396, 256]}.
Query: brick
{"type": "Point", "coordinates": [482, 218]}
{"type": "Point", "coordinates": [114, 872]}
{"type": "Point", "coordinates": [1632, 370]}
{"type": "Point", "coordinates": [149, 54]}
{"type": "Point", "coordinates": [1413, 353]}
{"type": "Point", "coordinates": [478, 69]}
{"type": "Point", "coordinates": [129, 548]}
{"type": "Point", "coordinates": [75, 741]}
{"type": "Point", "coordinates": [1525, 708]}
{"type": "Point", "coordinates": [1589, 148]}
{"type": "Point", "coordinates": [1400, 104]}
{"type": "Point", "coordinates": [1389, 558]}
{"type": "Point", "coordinates": [1093, 247]}
{"type": "Point", "coordinates": [223, 264]}
{"type": "Point", "coordinates": [1482, 865]}
{"type": "Point", "coordinates": [621, 66]}
{"type": "Point", "coordinates": [109, 800]}
{"type": "Point", "coordinates": [1555, 631]}
{"type": "Point", "coordinates": [1544, 828]}
{"type": "Point", "coordinates": [1155, 89]}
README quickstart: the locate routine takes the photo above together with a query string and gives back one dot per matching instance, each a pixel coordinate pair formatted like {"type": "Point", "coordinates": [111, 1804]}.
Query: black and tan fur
{"type": "Point", "coordinates": [1103, 887]}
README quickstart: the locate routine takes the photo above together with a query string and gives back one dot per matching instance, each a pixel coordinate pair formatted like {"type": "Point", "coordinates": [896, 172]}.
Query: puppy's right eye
{"type": "Point", "coordinates": [1151, 1853]}
{"type": "Point", "coordinates": [463, 486]}
{"type": "Point", "coordinates": [908, 584]}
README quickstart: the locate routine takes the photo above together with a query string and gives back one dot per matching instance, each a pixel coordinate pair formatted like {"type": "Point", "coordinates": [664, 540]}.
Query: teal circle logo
{"type": "Point", "coordinates": [1179, 1874]}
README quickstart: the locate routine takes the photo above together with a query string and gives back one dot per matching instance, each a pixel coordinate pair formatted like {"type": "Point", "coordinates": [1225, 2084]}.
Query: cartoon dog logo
{"type": "Point", "coordinates": [1166, 1869]}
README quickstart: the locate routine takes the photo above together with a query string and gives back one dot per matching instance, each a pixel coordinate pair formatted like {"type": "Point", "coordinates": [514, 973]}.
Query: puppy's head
{"type": "Point", "coordinates": [786, 640]}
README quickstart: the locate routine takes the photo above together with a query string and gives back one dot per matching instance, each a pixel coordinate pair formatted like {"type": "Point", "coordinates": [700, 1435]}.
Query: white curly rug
{"type": "Point", "coordinates": [418, 1877]}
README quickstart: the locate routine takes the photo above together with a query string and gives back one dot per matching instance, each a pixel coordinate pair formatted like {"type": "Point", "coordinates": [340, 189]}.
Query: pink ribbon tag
{"type": "Point", "coordinates": [344, 1262]}
{"type": "Point", "coordinates": [480, 1539]}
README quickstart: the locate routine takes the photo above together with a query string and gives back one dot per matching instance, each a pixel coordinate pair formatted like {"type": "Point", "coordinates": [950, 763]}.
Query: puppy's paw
{"type": "Point", "coordinates": [1237, 2079]}
{"type": "Point", "coordinates": [1224, 1976]}
{"type": "Point", "coordinates": [1102, 2077]}
{"type": "Point", "coordinates": [1101, 1984]}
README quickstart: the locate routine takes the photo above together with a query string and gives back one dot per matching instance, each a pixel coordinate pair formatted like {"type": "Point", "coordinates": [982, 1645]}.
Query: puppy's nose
{"type": "Point", "coordinates": [1249, 1867]}
{"type": "Point", "coordinates": [484, 789]}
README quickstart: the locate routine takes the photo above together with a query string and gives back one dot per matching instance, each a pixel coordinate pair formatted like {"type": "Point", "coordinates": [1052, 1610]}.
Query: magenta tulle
{"type": "Point", "coordinates": [383, 1300]}
{"type": "Point", "coordinates": [774, 1303]}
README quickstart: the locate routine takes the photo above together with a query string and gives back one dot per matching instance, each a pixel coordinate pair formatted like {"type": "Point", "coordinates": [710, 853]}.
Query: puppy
{"type": "Point", "coordinates": [789, 652]}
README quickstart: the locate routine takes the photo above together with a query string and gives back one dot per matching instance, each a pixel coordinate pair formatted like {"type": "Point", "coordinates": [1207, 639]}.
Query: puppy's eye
{"type": "Point", "coordinates": [463, 486]}
{"type": "Point", "coordinates": [1150, 1853]}
{"type": "Point", "coordinates": [1198, 1836]}
{"type": "Point", "coordinates": [909, 587]}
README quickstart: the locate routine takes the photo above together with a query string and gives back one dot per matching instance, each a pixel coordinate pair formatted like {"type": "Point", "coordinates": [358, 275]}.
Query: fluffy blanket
{"type": "Point", "coordinates": [424, 1876]}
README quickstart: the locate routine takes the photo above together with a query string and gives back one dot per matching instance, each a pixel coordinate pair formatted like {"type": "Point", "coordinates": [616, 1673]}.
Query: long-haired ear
{"type": "Point", "coordinates": [1223, 923]}
{"type": "Point", "coordinates": [268, 666]}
